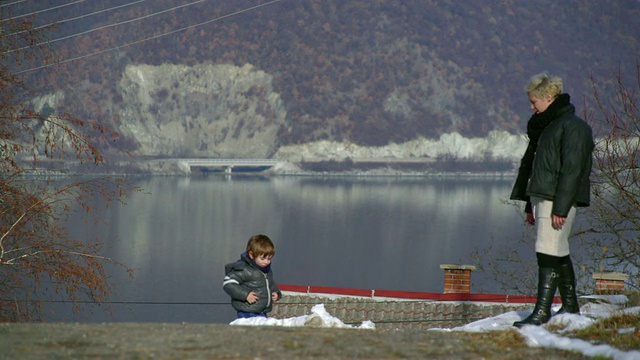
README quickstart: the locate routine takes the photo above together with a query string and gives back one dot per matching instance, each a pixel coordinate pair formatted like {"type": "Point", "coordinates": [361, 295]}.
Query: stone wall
{"type": "Point", "coordinates": [393, 313]}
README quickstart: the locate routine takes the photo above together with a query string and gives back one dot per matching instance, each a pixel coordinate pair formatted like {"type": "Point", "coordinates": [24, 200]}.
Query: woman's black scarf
{"type": "Point", "coordinates": [538, 122]}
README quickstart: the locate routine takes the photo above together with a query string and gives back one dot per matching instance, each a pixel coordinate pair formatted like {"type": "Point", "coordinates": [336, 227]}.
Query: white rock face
{"type": "Point", "coordinates": [204, 110]}
{"type": "Point", "coordinates": [498, 145]}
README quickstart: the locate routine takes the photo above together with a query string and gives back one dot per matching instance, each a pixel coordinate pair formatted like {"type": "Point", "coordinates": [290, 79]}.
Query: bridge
{"type": "Point", "coordinates": [226, 165]}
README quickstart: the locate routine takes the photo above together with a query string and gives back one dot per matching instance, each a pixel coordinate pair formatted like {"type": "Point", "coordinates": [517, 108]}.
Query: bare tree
{"type": "Point", "coordinates": [613, 238]}
{"type": "Point", "coordinates": [38, 256]}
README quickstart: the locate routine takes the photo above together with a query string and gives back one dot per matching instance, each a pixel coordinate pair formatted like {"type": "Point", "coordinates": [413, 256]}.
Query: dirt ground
{"type": "Point", "coordinates": [219, 341]}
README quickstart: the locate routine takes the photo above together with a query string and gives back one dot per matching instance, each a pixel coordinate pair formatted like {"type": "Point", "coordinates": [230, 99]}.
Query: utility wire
{"type": "Point", "coordinates": [132, 302]}
{"type": "Point", "coordinates": [13, 3]}
{"type": "Point", "coordinates": [66, 21]}
{"type": "Point", "coordinates": [226, 303]}
{"type": "Point", "coordinates": [150, 38]}
{"type": "Point", "coordinates": [44, 10]}
{"type": "Point", "coordinates": [105, 26]}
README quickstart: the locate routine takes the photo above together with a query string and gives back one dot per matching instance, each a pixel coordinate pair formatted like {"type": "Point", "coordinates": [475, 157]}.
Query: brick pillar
{"type": "Point", "coordinates": [609, 282]}
{"type": "Point", "coordinates": [457, 278]}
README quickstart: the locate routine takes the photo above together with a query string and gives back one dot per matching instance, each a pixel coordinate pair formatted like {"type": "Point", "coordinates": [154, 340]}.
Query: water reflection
{"type": "Point", "coordinates": [373, 233]}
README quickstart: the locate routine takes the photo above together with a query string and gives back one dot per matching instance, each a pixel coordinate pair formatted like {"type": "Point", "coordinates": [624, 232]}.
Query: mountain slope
{"type": "Point", "coordinates": [370, 72]}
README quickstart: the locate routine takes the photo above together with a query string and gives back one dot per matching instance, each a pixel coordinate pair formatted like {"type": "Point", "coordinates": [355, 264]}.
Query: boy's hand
{"type": "Point", "coordinates": [274, 296]}
{"type": "Point", "coordinates": [252, 297]}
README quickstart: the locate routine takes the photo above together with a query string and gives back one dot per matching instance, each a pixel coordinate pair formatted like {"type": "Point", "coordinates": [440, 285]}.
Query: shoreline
{"type": "Point", "coordinates": [325, 168]}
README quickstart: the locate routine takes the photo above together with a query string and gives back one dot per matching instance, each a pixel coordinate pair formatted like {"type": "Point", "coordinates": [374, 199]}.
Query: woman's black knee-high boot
{"type": "Point", "coordinates": [547, 284]}
{"type": "Point", "coordinates": [567, 289]}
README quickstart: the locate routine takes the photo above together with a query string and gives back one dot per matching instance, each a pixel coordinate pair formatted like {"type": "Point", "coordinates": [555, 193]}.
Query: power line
{"type": "Point", "coordinates": [65, 21]}
{"type": "Point", "coordinates": [44, 10]}
{"type": "Point", "coordinates": [149, 38]}
{"type": "Point", "coordinates": [226, 303]}
{"type": "Point", "coordinates": [13, 3]}
{"type": "Point", "coordinates": [132, 302]}
{"type": "Point", "coordinates": [105, 26]}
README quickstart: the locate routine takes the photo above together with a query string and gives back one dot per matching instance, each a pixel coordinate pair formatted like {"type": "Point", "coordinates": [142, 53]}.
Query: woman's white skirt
{"type": "Point", "coordinates": [549, 240]}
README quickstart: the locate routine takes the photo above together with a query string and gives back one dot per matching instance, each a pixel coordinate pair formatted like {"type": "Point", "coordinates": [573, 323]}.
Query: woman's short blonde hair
{"type": "Point", "coordinates": [542, 85]}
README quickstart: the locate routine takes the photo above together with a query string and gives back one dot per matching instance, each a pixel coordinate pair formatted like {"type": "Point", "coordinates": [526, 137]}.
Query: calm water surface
{"type": "Point", "coordinates": [367, 233]}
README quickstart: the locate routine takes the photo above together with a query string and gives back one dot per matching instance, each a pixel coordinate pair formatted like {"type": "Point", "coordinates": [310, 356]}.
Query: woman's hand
{"type": "Point", "coordinates": [558, 221]}
{"type": "Point", "coordinates": [530, 219]}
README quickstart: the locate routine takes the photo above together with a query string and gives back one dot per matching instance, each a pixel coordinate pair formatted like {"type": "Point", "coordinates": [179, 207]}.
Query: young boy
{"type": "Point", "coordinates": [249, 281]}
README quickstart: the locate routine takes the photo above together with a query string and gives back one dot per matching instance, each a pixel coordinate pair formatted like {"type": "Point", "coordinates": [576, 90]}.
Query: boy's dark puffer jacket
{"type": "Point", "coordinates": [562, 163]}
{"type": "Point", "coordinates": [244, 276]}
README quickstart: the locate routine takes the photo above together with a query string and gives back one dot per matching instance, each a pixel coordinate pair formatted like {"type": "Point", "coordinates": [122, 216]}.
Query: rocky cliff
{"type": "Point", "coordinates": [205, 110]}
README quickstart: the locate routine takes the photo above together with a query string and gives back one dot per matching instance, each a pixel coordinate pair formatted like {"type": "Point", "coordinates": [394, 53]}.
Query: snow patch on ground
{"type": "Point", "coordinates": [319, 317]}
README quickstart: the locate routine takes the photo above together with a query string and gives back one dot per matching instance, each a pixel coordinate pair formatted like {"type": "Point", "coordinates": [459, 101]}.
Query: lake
{"type": "Point", "coordinates": [388, 233]}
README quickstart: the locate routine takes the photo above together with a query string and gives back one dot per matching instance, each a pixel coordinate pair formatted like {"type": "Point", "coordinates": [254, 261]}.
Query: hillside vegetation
{"type": "Point", "coordinates": [367, 72]}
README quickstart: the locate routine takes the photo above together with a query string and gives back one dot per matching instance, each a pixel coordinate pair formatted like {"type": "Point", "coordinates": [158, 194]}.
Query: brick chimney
{"type": "Point", "coordinates": [609, 282]}
{"type": "Point", "coordinates": [457, 278]}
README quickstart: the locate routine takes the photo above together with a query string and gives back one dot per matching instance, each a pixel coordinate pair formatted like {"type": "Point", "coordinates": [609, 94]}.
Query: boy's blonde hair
{"type": "Point", "coordinates": [542, 85]}
{"type": "Point", "coordinates": [261, 245]}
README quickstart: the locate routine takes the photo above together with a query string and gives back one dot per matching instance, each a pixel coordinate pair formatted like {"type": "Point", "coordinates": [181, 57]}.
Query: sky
{"type": "Point", "coordinates": [603, 306]}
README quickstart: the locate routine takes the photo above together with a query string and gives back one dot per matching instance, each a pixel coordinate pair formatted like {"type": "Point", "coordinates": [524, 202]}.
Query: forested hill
{"type": "Point", "coordinates": [369, 72]}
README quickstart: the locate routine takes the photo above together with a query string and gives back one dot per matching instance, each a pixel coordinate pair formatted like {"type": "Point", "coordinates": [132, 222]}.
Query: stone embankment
{"type": "Point", "coordinates": [393, 313]}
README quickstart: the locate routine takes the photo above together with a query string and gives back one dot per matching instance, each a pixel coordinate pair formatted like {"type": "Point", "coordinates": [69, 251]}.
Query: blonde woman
{"type": "Point", "coordinates": [553, 179]}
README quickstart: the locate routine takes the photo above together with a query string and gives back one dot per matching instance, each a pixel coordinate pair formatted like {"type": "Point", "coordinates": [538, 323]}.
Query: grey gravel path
{"type": "Point", "coordinates": [219, 341]}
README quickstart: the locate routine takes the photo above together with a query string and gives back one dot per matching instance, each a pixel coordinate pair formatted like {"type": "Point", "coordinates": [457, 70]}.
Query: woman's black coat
{"type": "Point", "coordinates": [558, 168]}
